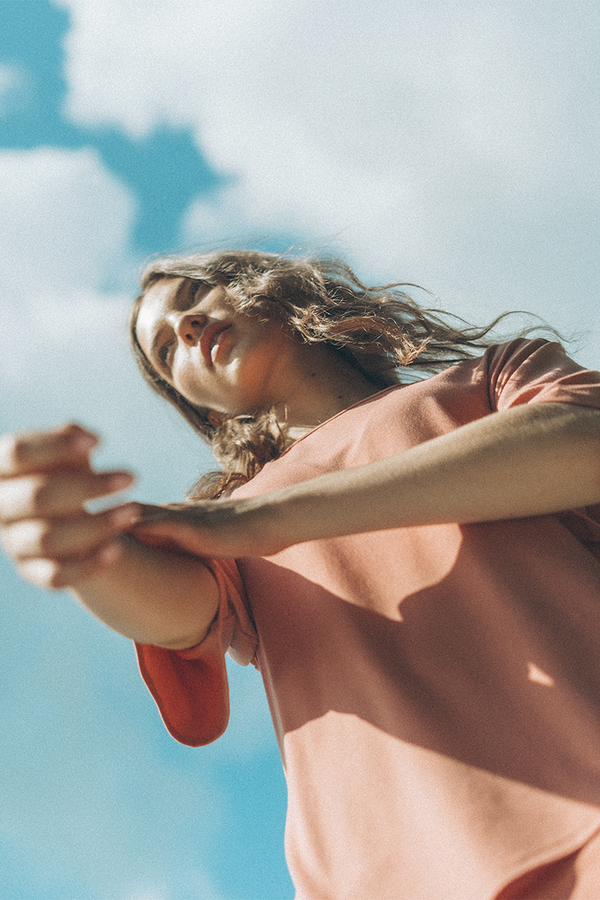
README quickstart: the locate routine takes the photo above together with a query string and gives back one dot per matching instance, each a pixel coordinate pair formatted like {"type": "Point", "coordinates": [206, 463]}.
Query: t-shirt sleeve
{"type": "Point", "coordinates": [537, 371]}
{"type": "Point", "coordinates": [190, 687]}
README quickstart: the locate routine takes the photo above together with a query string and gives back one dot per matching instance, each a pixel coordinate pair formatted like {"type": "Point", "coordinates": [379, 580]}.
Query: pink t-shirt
{"type": "Point", "coordinates": [435, 690]}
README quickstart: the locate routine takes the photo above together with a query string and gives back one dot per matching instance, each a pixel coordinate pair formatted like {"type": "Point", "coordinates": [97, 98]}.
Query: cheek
{"type": "Point", "coordinates": [200, 389]}
{"type": "Point", "coordinates": [186, 378]}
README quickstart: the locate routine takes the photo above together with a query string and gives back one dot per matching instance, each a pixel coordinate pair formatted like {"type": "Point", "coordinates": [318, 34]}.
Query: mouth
{"type": "Point", "coordinates": [211, 339]}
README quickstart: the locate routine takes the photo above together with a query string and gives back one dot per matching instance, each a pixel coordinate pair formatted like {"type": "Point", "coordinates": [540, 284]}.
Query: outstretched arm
{"type": "Point", "coordinates": [147, 593]}
{"type": "Point", "coordinates": [526, 461]}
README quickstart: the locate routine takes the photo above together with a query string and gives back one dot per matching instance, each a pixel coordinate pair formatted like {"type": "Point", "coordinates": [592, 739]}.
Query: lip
{"type": "Point", "coordinates": [210, 340]}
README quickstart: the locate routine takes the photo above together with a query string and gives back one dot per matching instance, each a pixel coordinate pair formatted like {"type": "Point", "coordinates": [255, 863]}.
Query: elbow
{"type": "Point", "coordinates": [186, 643]}
{"type": "Point", "coordinates": [191, 640]}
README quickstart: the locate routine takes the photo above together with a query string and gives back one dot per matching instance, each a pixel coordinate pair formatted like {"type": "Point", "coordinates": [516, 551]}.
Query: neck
{"type": "Point", "coordinates": [325, 385]}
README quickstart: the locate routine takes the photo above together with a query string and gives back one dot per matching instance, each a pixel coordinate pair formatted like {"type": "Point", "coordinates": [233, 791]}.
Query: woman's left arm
{"type": "Point", "coordinates": [529, 460]}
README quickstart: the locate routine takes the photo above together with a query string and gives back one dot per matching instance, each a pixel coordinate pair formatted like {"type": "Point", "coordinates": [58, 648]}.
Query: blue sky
{"type": "Point", "coordinates": [455, 145]}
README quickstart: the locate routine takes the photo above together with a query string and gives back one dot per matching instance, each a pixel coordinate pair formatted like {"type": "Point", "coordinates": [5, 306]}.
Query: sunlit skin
{"type": "Point", "coordinates": [229, 363]}
{"type": "Point", "coordinates": [140, 569]}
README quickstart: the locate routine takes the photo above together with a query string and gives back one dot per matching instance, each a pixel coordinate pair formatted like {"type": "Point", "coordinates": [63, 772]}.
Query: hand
{"type": "Point", "coordinates": [45, 481]}
{"type": "Point", "coordinates": [224, 528]}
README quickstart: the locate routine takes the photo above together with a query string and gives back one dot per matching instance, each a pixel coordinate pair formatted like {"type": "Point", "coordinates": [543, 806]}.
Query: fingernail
{"type": "Point", "coordinates": [120, 480]}
{"type": "Point", "coordinates": [83, 441]}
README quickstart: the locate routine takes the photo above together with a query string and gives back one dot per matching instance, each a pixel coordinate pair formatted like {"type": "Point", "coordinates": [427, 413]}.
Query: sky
{"type": "Point", "coordinates": [450, 144]}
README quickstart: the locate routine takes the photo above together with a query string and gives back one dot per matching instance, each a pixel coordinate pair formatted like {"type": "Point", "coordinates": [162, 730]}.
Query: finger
{"type": "Point", "coordinates": [51, 494]}
{"type": "Point", "coordinates": [62, 538]}
{"type": "Point", "coordinates": [40, 450]}
{"type": "Point", "coordinates": [57, 574]}
{"type": "Point", "coordinates": [169, 533]}
{"type": "Point", "coordinates": [151, 511]}
{"type": "Point", "coordinates": [156, 531]}
{"type": "Point", "coordinates": [155, 518]}
{"type": "Point", "coordinates": [159, 521]}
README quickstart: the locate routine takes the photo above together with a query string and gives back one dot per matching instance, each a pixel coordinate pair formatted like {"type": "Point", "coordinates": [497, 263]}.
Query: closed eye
{"type": "Point", "coordinates": [164, 353]}
{"type": "Point", "coordinates": [199, 290]}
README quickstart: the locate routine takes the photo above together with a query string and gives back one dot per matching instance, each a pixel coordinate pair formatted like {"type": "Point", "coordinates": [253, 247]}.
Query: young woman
{"type": "Point", "coordinates": [413, 563]}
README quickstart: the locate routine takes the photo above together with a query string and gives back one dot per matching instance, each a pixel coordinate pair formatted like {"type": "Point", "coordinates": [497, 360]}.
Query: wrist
{"type": "Point", "coordinates": [293, 515]}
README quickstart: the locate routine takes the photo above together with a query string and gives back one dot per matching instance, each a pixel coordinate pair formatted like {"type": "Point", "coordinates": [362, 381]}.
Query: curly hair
{"type": "Point", "coordinates": [381, 331]}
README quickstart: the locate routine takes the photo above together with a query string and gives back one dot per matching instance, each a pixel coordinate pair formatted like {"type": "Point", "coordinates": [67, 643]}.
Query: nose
{"type": "Point", "coordinates": [189, 328]}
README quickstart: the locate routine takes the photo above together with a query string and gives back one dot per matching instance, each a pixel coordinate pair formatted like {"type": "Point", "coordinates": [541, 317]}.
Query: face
{"type": "Point", "coordinates": [216, 358]}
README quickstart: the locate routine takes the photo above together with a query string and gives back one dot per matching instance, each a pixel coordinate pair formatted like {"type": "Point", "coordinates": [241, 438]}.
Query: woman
{"type": "Point", "coordinates": [416, 571]}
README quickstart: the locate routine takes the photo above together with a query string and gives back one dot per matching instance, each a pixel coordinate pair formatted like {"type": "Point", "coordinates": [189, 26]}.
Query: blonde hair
{"type": "Point", "coordinates": [379, 330]}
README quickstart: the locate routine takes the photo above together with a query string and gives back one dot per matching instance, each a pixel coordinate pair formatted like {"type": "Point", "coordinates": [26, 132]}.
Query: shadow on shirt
{"type": "Point", "coordinates": [497, 666]}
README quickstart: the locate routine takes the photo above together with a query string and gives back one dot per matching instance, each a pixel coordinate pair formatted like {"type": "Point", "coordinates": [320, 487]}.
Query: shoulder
{"type": "Point", "coordinates": [525, 371]}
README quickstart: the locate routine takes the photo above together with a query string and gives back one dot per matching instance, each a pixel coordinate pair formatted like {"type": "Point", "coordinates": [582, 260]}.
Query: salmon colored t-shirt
{"type": "Point", "coordinates": [435, 690]}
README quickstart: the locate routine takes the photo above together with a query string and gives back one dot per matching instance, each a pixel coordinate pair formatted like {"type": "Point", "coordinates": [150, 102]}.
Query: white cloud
{"type": "Point", "coordinates": [260, 80]}
{"type": "Point", "coordinates": [64, 231]}
{"type": "Point", "coordinates": [64, 223]}
{"type": "Point", "coordinates": [452, 144]}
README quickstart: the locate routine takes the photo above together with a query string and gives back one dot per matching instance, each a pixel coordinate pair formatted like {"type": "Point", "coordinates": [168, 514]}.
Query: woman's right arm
{"type": "Point", "coordinates": [150, 594]}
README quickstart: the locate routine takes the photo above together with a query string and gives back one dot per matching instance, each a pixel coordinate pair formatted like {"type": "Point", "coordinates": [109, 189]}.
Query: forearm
{"type": "Point", "coordinates": [153, 596]}
{"type": "Point", "coordinates": [527, 461]}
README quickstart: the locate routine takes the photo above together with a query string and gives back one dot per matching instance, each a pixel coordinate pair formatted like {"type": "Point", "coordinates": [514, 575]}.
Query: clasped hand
{"type": "Point", "coordinates": [46, 482]}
